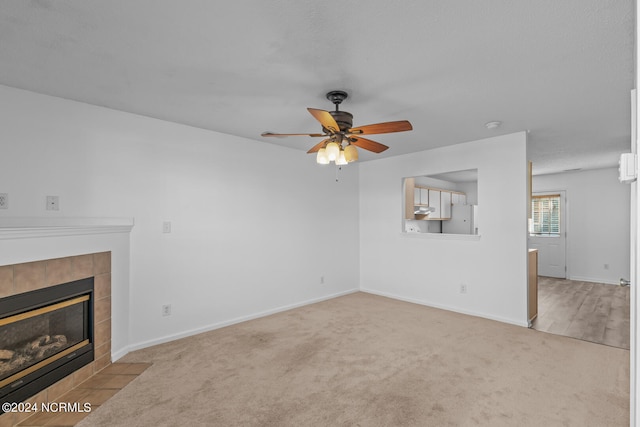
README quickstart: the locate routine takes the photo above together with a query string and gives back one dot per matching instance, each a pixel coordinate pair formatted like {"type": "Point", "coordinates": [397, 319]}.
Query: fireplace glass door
{"type": "Point", "coordinates": [35, 338]}
{"type": "Point", "coordinates": [45, 335]}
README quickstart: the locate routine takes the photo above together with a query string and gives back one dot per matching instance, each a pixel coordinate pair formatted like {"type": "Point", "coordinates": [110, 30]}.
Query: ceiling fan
{"type": "Point", "coordinates": [337, 130]}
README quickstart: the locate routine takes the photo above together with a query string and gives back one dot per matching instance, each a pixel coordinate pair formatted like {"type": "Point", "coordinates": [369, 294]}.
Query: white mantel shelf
{"type": "Point", "coordinates": [35, 227]}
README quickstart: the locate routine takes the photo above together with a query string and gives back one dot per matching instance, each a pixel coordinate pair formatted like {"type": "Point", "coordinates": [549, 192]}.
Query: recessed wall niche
{"type": "Point", "coordinates": [443, 203]}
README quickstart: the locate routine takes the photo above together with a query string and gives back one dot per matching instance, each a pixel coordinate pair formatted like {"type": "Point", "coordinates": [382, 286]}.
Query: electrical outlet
{"type": "Point", "coordinates": [53, 203]}
{"type": "Point", "coordinates": [4, 201]}
{"type": "Point", "coordinates": [606, 266]}
{"type": "Point", "coordinates": [166, 310]}
{"type": "Point", "coordinates": [322, 280]}
{"type": "Point", "coordinates": [463, 288]}
{"type": "Point", "coordinates": [166, 227]}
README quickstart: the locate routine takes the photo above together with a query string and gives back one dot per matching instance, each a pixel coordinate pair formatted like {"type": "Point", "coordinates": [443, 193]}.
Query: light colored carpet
{"type": "Point", "coordinates": [365, 360]}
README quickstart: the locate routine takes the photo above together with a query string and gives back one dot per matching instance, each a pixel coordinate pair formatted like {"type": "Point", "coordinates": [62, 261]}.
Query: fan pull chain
{"type": "Point", "coordinates": [338, 169]}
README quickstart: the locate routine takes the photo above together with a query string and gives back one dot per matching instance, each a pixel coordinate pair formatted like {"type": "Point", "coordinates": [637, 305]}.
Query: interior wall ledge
{"type": "Point", "coordinates": [35, 227]}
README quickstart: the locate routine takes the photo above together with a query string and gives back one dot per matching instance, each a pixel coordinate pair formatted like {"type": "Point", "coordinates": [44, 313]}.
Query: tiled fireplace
{"type": "Point", "coordinates": [21, 279]}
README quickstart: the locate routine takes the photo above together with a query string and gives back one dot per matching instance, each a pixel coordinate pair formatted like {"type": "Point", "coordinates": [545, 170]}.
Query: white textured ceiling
{"type": "Point", "coordinates": [560, 69]}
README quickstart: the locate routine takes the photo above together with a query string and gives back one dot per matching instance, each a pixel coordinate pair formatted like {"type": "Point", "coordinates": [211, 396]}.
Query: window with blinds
{"type": "Point", "coordinates": [546, 215]}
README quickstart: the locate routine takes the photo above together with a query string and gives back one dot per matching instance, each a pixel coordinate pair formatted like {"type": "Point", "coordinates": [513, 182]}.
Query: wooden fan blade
{"type": "Point", "coordinates": [325, 118]}
{"type": "Point", "coordinates": [386, 127]}
{"type": "Point", "coordinates": [281, 135]}
{"type": "Point", "coordinates": [368, 144]}
{"type": "Point", "coordinates": [318, 146]}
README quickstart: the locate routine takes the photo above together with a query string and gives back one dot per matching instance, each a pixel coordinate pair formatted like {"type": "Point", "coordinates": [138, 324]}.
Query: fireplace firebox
{"type": "Point", "coordinates": [45, 335]}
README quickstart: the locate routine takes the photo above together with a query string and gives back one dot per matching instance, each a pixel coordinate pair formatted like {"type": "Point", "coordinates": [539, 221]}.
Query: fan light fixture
{"type": "Point", "coordinates": [334, 152]}
{"type": "Point", "coordinates": [341, 138]}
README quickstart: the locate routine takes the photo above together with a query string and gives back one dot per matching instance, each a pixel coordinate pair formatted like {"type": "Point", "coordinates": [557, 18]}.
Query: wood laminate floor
{"type": "Point", "coordinates": [588, 311]}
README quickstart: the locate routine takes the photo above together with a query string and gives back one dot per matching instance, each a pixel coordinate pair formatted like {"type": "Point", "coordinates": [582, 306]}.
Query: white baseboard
{"type": "Point", "coordinates": [167, 338]}
{"type": "Point", "coordinates": [448, 308]}
{"type": "Point", "coordinates": [594, 280]}
{"type": "Point", "coordinates": [119, 354]}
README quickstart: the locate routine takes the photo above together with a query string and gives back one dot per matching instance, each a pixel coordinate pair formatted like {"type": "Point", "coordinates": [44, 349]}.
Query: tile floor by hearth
{"type": "Point", "coordinates": [95, 391]}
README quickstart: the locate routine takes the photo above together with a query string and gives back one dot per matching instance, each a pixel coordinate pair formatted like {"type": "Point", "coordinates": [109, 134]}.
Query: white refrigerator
{"type": "Point", "coordinates": [463, 220]}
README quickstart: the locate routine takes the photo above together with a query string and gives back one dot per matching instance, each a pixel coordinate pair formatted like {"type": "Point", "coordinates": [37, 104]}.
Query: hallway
{"type": "Point", "coordinates": [595, 312]}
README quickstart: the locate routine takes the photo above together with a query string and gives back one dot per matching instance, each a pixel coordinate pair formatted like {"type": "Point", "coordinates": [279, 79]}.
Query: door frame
{"type": "Point", "coordinates": [634, 356]}
{"type": "Point", "coordinates": [564, 225]}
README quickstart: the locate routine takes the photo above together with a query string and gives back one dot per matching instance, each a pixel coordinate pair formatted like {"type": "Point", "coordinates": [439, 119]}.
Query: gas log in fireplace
{"type": "Point", "coordinates": [45, 335]}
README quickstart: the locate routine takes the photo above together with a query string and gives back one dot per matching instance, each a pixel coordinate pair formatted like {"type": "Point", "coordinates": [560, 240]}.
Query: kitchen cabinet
{"type": "Point", "coordinates": [424, 196]}
{"type": "Point", "coordinates": [434, 202]}
{"type": "Point", "coordinates": [420, 196]}
{"type": "Point", "coordinates": [438, 199]}
{"type": "Point", "coordinates": [445, 205]}
{"type": "Point", "coordinates": [458, 198]}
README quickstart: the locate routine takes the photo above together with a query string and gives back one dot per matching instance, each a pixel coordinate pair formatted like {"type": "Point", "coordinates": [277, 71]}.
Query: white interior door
{"type": "Point", "coordinates": [551, 244]}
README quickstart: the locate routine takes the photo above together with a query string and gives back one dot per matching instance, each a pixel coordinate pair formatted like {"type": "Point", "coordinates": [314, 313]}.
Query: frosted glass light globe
{"type": "Point", "coordinates": [341, 159]}
{"type": "Point", "coordinates": [333, 150]}
{"type": "Point", "coordinates": [322, 158]}
{"type": "Point", "coordinates": [351, 153]}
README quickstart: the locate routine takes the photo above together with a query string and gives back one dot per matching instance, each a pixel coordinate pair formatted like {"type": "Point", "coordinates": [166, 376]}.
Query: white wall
{"type": "Point", "coordinates": [428, 268]}
{"type": "Point", "coordinates": [471, 190]}
{"type": "Point", "coordinates": [598, 221]}
{"type": "Point", "coordinates": [254, 225]}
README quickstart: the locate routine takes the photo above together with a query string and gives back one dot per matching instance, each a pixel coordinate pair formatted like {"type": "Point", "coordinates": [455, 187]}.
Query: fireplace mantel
{"type": "Point", "coordinates": [35, 227]}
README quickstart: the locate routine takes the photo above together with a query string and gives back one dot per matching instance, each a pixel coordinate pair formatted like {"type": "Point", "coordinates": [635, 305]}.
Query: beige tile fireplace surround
{"type": "Point", "coordinates": [29, 276]}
